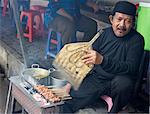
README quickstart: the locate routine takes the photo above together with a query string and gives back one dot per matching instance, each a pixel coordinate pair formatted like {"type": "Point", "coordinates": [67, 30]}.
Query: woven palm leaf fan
{"type": "Point", "coordinates": [69, 61]}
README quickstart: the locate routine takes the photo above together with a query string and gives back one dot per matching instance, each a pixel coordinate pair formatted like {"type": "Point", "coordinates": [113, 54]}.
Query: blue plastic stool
{"type": "Point", "coordinates": [56, 42]}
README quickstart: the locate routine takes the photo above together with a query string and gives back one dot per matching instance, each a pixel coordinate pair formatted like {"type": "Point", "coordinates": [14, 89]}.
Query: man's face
{"type": "Point", "coordinates": [121, 24]}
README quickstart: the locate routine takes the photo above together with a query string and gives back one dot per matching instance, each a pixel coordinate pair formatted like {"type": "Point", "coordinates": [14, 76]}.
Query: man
{"type": "Point", "coordinates": [116, 55]}
{"type": "Point", "coordinates": [65, 17]}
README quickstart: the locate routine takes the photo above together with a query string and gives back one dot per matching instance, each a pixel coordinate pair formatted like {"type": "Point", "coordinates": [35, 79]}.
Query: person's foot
{"type": "Point", "coordinates": [67, 87]}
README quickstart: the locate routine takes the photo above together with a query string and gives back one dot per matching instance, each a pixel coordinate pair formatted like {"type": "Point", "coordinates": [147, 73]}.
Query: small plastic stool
{"type": "Point", "coordinates": [56, 42]}
{"type": "Point", "coordinates": [39, 8]}
{"type": "Point", "coordinates": [4, 7]}
{"type": "Point", "coordinates": [30, 14]}
{"type": "Point", "coordinates": [108, 100]}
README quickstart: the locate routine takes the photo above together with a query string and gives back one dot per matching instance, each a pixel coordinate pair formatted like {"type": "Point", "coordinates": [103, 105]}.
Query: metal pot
{"type": "Point", "coordinates": [51, 77]}
{"type": "Point", "coordinates": [36, 75]}
{"type": "Point", "coordinates": [57, 79]}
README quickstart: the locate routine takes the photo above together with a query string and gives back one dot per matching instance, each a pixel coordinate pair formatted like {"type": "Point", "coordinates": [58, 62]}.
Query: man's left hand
{"type": "Point", "coordinates": [96, 8]}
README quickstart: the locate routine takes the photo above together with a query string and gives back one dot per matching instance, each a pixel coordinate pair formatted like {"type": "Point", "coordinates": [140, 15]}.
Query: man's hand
{"type": "Point", "coordinates": [92, 57]}
{"type": "Point", "coordinates": [95, 7]}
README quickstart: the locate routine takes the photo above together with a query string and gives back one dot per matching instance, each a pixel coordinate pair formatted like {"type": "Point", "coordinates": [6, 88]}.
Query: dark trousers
{"type": "Point", "coordinates": [120, 89]}
{"type": "Point", "coordinates": [68, 28]}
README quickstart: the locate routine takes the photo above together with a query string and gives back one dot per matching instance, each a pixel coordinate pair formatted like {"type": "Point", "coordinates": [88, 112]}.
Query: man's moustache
{"type": "Point", "coordinates": [121, 28]}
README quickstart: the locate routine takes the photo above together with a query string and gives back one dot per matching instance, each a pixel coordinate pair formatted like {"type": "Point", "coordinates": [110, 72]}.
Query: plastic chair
{"type": "Point", "coordinates": [30, 14]}
{"type": "Point", "coordinates": [51, 41]}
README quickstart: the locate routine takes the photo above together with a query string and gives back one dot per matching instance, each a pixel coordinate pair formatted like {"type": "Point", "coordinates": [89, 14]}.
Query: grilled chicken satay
{"type": "Point", "coordinates": [47, 93]}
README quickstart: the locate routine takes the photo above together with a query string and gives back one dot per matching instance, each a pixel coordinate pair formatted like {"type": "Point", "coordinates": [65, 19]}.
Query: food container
{"type": "Point", "coordinates": [57, 79]}
{"type": "Point", "coordinates": [36, 75]}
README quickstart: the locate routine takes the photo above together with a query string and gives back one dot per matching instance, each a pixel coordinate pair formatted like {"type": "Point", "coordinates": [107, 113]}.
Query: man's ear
{"type": "Point", "coordinates": [111, 19]}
